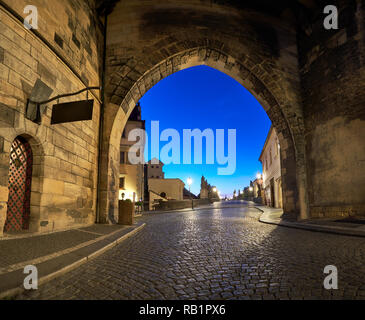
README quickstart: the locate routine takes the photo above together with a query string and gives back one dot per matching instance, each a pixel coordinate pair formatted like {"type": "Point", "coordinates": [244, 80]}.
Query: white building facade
{"type": "Point", "coordinates": [271, 168]}
{"type": "Point", "coordinates": [131, 176]}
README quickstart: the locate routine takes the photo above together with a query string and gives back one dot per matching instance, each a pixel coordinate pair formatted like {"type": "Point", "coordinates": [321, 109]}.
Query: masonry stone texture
{"type": "Point", "coordinates": [309, 80]}
{"type": "Point", "coordinates": [63, 190]}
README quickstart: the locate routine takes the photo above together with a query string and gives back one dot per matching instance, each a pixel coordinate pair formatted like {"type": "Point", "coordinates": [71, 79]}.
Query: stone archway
{"type": "Point", "coordinates": [146, 43]}
{"type": "Point", "coordinates": [293, 174]}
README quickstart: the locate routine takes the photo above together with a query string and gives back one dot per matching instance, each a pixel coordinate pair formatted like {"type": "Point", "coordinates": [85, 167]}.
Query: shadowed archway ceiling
{"type": "Point", "coordinates": [299, 12]}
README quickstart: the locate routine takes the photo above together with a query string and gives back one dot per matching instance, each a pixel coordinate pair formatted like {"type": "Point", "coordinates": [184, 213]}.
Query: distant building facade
{"type": "Point", "coordinates": [170, 189]}
{"type": "Point", "coordinates": [271, 168]}
{"type": "Point", "coordinates": [208, 191]}
{"type": "Point", "coordinates": [131, 176]}
{"type": "Point", "coordinates": [157, 188]}
{"type": "Point", "coordinates": [155, 169]}
{"type": "Point", "coordinates": [258, 192]}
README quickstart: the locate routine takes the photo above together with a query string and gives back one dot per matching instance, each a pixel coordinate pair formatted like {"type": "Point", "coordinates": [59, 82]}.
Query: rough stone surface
{"type": "Point", "coordinates": [216, 254]}
{"type": "Point", "coordinates": [332, 67]}
{"type": "Point", "coordinates": [64, 164]}
{"type": "Point", "coordinates": [308, 79]}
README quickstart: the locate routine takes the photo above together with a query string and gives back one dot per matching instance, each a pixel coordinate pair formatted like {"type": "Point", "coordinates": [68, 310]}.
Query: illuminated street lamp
{"type": "Point", "coordinates": [259, 176]}
{"type": "Point", "coordinates": [214, 190]}
{"type": "Point", "coordinates": [190, 182]}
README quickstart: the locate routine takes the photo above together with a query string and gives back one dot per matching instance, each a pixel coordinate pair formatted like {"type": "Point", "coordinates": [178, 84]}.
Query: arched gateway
{"type": "Point", "coordinates": [308, 79]}
{"type": "Point", "coordinates": [254, 55]}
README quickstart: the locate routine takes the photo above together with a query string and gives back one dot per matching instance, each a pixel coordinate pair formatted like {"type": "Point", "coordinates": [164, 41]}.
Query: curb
{"type": "Point", "coordinates": [313, 228]}
{"type": "Point", "coordinates": [8, 294]}
{"type": "Point", "coordinates": [51, 256]}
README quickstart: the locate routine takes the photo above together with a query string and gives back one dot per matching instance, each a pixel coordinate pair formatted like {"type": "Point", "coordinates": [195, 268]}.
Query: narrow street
{"type": "Point", "coordinates": [218, 253]}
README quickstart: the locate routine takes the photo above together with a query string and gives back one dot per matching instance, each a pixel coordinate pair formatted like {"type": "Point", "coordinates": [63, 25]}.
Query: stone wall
{"type": "Point", "coordinates": [172, 188]}
{"type": "Point", "coordinates": [63, 53]}
{"type": "Point", "coordinates": [310, 83]}
{"type": "Point", "coordinates": [332, 64]}
{"type": "Point", "coordinates": [183, 204]}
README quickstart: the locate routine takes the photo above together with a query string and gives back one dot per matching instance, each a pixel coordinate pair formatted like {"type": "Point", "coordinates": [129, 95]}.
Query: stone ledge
{"type": "Point", "coordinates": [274, 217]}
{"type": "Point", "coordinates": [11, 283]}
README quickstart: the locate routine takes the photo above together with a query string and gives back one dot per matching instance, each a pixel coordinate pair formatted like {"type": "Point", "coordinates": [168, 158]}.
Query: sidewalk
{"type": "Point", "coordinates": [56, 253]}
{"type": "Point", "coordinates": [335, 226]}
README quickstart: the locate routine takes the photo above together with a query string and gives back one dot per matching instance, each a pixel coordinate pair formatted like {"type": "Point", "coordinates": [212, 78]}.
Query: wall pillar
{"type": "Point", "coordinates": [303, 195]}
{"type": "Point", "coordinates": [4, 193]}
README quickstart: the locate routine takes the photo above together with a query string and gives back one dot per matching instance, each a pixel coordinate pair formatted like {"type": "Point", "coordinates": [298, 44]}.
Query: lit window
{"type": "Point", "coordinates": [121, 183]}
{"type": "Point", "coordinates": [122, 157]}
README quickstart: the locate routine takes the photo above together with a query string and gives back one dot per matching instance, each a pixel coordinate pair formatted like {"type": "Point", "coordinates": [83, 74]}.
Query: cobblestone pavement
{"type": "Point", "coordinates": [216, 254]}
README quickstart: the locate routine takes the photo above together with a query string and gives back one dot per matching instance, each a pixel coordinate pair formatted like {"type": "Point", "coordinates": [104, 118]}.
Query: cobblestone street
{"type": "Point", "coordinates": [220, 253]}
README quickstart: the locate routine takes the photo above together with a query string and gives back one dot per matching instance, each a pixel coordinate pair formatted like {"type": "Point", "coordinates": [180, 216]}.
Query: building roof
{"type": "Point", "coordinates": [155, 160]}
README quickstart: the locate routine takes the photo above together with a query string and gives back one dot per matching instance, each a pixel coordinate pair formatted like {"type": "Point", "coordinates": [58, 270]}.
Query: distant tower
{"type": "Point", "coordinates": [204, 189]}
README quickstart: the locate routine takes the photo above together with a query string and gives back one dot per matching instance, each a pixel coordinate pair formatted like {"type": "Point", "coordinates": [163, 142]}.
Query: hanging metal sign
{"type": "Point", "coordinates": [72, 111]}
{"type": "Point", "coordinates": [61, 112]}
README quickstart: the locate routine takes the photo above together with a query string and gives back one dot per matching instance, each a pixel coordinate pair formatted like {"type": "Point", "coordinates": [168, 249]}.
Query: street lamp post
{"type": "Point", "coordinates": [251, 192]}
{"type": "Point", "coordinates": [190, 182]}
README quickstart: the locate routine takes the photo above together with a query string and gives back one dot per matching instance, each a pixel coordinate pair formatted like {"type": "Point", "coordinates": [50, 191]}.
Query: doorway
{"type": "Point", "coordinates": [20, 180]}
{"type": "Point", "coordinates": [272, 193]}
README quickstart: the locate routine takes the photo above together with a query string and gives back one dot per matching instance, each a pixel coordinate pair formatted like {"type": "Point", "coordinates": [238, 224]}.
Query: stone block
{"type": "Point", "coordinates": [2, 51]}
{"type": "Point", "coordinates": [17, 65]}
{"type": "Point", "coordinates": [84, 163]}
{"type": "Point", "coordinates": [7, 116]}
{"type": "Point", "coordinates": [46, 75]}
{"type": "Point", "coordinates": [4, 72]}
{"type": "Point", "coordinates": [73, 190]}
{"type": "Point", "coordinates": [53, 186]}
{"type": "Point", "coordinates": [62, 142]}
{"type": "Point", "coordinates": [78, 171]}
{"type": "Point", "coordinates": [3, 212]}
{"type": "Point", "coordinates": [4, 193]}
{"type": "Point", "coordinates": [61, 153]}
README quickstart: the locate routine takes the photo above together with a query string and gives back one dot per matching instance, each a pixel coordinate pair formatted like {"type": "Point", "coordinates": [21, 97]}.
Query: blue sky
{"type": "Point", "coordinates": [202, 97]}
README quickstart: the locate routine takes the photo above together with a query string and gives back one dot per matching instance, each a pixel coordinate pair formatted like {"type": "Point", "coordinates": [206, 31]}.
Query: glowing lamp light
{"type": "Point", "coordinates": [190, 182]}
